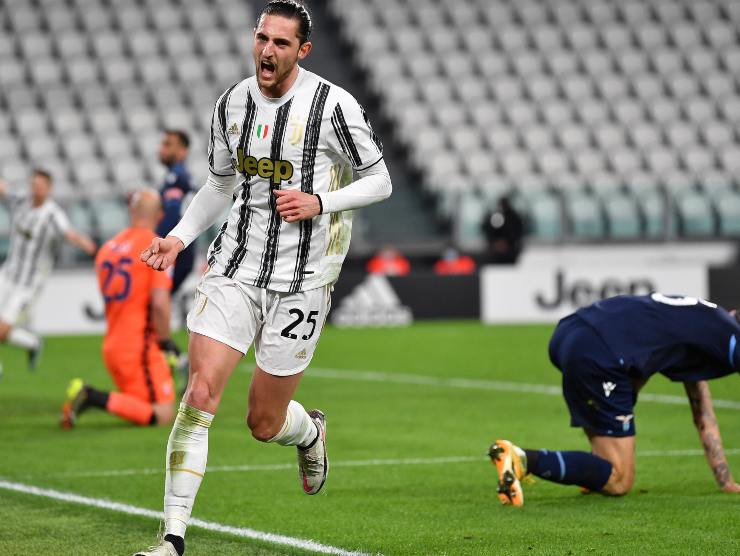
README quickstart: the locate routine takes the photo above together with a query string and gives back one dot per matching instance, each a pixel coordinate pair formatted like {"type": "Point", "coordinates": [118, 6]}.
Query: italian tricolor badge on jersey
{"type": "Point", "coordinates": [262, 131]}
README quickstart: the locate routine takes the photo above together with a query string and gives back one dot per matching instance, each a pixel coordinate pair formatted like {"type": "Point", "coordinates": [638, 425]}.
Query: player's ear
{"type": "Point", "coordinates": [304, 50]}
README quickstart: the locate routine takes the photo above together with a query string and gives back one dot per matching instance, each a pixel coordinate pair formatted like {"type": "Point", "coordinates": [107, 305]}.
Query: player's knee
{"type": "Point", "coordinates": [200, 395]}
{"type": "Point", "coordinates": [263, 426]}
{"type": "Point", "coordinates": [4, 331]}
{"type": "Point", "coordinates": [618, 489]}
{"type": "Point", "coordinates": [620, 482]}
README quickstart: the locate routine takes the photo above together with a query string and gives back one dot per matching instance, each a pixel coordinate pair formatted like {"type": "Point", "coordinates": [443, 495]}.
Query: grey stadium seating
{"type": "Point", "coordinates": [606, 119]}
{"type": "Point", "coordinates": [86, 86]}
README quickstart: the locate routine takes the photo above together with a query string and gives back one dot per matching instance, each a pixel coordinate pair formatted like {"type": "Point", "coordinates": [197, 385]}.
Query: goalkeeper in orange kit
{"type": "Point", "coordinates": [137, 311]}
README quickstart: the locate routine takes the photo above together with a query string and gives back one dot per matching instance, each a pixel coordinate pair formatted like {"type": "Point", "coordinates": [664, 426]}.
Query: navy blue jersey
{"type": "Point", "coordinates": [684, 338]}
{"type": "Point", "coordinates": [177, 187]}
{"type": "Point", "coordinates": [176, 190]}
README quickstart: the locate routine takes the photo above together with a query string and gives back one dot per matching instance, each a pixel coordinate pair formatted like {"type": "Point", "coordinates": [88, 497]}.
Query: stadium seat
{"type": "Point", "coordinates": [127, 173]}
{"type": "Point", "coordinates": [728, 210]}
{"type": "Point", "coordinates": [118, 71]}
{"type": "Point", "coordinates": [81, 217]}
{"type": "Point", "coordinates": [40, 147]}
{"type": "Point", "coordinates": [622, 217]}
{"type": "Point", "coordinates": [545, 217]}
{"type": "Point", "coordinates": [585, 217]}
{"type": "Point", "coordinates": [695, 216]}
{"type": "Point", "coordinates": [58, 18]}
{"type": "Point", "coordinates": [111, 216]}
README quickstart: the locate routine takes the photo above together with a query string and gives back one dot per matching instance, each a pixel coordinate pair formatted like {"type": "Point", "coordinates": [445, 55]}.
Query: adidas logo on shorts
{"type": "Point", "coordinates": [301, 354]}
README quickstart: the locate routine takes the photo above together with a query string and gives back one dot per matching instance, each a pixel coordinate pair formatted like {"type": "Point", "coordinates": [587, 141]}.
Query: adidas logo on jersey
{"type": "Point", "coordinates": [301, 354]}
{"type": "Point", "coordinates": [372, 303]}
{"type": "Point", "coordinates": [234, 129]}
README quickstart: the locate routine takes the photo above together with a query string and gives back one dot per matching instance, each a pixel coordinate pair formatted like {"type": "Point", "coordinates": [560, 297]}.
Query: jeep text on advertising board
{"type": "Point", "coordinates": [582, 292]}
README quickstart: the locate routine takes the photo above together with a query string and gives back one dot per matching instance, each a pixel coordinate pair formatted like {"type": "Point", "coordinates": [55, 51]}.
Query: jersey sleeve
{"type": "Point", "coordinates": [352, 137]}
{"type": "Point", "coordinates": [219, 153]}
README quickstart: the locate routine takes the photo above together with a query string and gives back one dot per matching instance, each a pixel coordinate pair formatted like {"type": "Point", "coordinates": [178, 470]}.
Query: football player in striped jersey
{"type": "Point", "coordinates": [284, 145]}
{"type": "Point", "coordinates": [37, 223]}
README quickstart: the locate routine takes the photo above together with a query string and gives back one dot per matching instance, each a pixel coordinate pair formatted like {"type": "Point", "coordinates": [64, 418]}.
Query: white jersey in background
{"type": "Point", "coordinates": [33, 237]}
{"type": "Point", "coordinates": [309, 139]}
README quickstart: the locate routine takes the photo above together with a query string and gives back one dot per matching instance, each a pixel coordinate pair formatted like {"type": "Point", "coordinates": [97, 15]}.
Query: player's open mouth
{"type": "Point", "coordinates": [267, 69]}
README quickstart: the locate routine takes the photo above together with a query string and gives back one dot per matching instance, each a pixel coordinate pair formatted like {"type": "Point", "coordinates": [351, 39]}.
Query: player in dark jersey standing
{"type": "Point", "coordinates": [176, 192]}
{"type": "Point", "coordinates": [607, 352]}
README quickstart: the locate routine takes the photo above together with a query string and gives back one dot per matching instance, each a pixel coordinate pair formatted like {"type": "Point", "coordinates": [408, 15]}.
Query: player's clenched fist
{"type": "Point", "coordinates": [294, 205]}
{"type": "Point", "coordinates": [161, 254]}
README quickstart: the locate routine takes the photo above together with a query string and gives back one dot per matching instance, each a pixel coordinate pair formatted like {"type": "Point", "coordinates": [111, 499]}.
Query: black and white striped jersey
{"type": "Point", "coordinates": [310, 139]}
{"type": "Point", "coordinates": [33, 236]}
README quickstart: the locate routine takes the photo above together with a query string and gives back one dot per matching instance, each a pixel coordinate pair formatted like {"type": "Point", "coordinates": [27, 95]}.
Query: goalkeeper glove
{"type": "Point", "coordinates": [171, 352]}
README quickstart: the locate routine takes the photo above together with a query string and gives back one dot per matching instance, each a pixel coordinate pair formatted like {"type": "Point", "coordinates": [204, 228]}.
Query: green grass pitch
{"type": "Point", "coordinates": [392, 415]}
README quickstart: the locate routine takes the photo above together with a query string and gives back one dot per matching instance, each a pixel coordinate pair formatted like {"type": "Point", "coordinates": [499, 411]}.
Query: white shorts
{"type": "Point", "coordinates": [15, 300]}
{"type": "Point", "coordinates": [284, 327]}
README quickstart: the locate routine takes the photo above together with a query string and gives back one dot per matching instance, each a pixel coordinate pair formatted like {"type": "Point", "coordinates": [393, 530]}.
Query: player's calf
{"type": "Point", "coordinates": [266, 427]}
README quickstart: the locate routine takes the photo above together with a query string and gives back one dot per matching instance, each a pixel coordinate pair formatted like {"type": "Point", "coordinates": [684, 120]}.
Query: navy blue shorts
{"type": "Point", "coordinates": [599, 393]}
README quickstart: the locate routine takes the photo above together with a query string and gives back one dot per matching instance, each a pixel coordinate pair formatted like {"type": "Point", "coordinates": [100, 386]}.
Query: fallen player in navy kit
{"type": "Point", "coordinates": [606, 353]}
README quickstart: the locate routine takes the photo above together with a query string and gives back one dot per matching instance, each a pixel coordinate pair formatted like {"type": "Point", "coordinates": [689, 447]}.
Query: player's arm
{"type": "Point", "coordinates": [352, 139]}
{"type": "Point", "coordinates": [207, 206]}
{"type": "Point", "coordinates": [8, 196]}
{"type": "Point", "coordinates": [373, 186]}
{"type": "Point", "coordinates": [81, 241]}
{"type": "Point", "coordinates": [705, 420]}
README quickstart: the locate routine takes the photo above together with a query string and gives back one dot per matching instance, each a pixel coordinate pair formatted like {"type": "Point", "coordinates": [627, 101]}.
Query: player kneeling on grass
{"type": "Point", "coordinates": [137, 311]}
{"type": "Point", "coordinates": [606, 353]}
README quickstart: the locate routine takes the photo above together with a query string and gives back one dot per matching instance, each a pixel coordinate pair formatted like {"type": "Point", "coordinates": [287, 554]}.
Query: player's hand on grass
{"type": "Point", "coordinates": [294, 205]}
{"type": "Point", "coordinates": [161, 254]}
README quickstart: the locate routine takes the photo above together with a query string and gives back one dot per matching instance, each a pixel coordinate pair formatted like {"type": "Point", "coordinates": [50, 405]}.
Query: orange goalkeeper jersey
{"type": "Point", "coordinates": [126, 284]}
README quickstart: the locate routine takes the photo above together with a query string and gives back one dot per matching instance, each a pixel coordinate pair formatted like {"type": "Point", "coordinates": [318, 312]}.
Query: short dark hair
{"type": "Point", "coordinates": [43, 173]}
{"type": "Point", "coordinates": [181, 136]}
{"type": "Point", "coordinates": [292, 9]}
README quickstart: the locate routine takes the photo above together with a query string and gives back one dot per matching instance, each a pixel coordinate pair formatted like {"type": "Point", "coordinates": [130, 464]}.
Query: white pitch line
{"type": "Point", "coordinates": [243, 532]}
{"type": "Point", "coordinates": [351, 463]}
{"type": "Point", "coordinates": [483, 384]}
{"type": "Point", "coordinates": [681, 453]}
{"type": "Point", "coordinates": [273, 466]}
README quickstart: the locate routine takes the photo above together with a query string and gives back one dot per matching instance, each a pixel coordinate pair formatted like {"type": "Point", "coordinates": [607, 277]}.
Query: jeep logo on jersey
{"type": "Point", "coordinates": [277, 170]}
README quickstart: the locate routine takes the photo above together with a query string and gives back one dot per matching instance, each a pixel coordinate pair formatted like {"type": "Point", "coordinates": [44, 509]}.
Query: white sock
{"type": "Point", "coordinates": [298, 429]}
{"type": "Point", "coordinates": [23, 338]}
{"type": "Point", "coordinates": [187, 452]}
